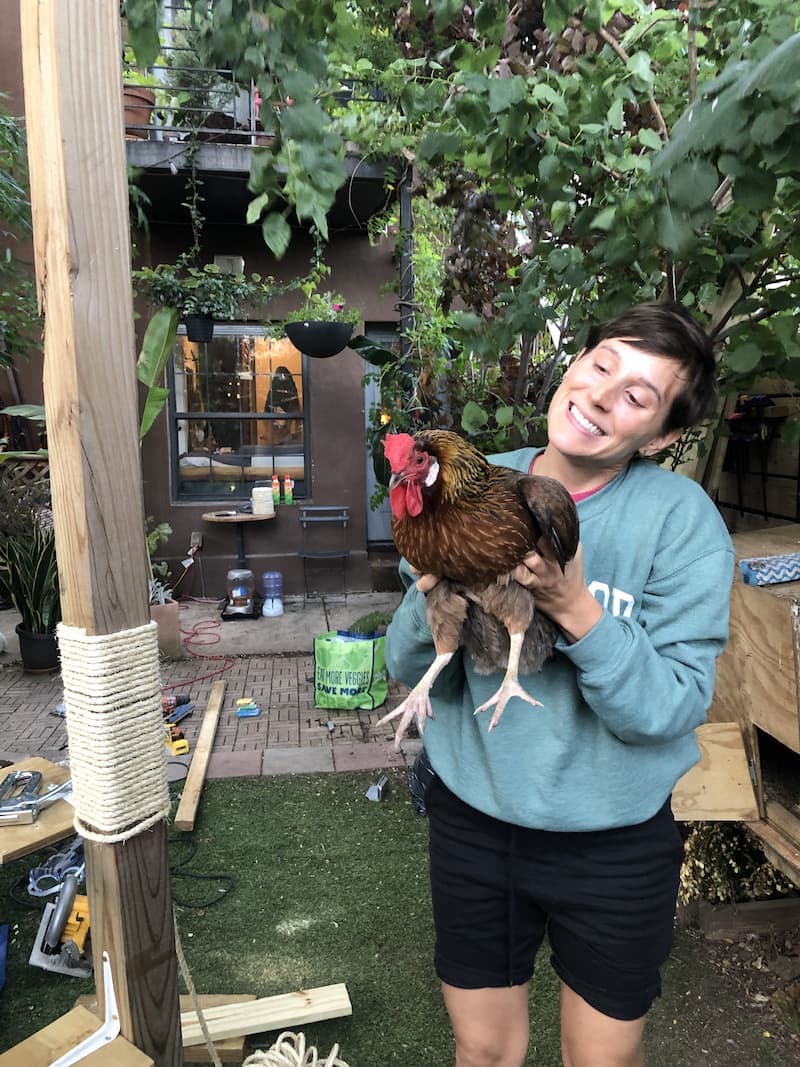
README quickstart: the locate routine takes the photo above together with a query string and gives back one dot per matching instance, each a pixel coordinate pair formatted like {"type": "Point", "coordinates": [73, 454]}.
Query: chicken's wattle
{"type": "Point", "coordinates": [406, 499]}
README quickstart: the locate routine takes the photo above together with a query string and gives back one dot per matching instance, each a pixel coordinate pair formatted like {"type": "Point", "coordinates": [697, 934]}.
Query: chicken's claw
{"type": "Point", "coordinates": [417, 705]}
{"type": "Point", "coordinates": [510, 688]}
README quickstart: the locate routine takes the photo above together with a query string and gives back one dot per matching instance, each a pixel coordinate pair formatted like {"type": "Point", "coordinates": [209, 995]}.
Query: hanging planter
{"type": "Point", "coordinates": [320, 339]}
{"type": "Point", "coordinates": [199, 327]}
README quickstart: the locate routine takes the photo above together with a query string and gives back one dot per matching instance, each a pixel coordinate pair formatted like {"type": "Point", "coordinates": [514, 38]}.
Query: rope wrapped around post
{"type": "Point", "coordinates": [112, 692]}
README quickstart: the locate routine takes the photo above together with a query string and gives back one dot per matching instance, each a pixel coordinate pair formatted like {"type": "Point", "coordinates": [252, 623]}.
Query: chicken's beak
{"type": "Point", "coordinates": [394, 481]}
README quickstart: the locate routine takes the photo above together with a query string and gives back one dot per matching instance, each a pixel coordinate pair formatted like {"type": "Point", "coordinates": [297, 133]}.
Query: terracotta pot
{"type": "Point", "coordinates": [138, 102]}
{"type": "Point", "coordinates": [320, 339]}
{"type": "Point", "coordinates": [38, 652]}
{"type": "Point", "coordinates": [167, 617]}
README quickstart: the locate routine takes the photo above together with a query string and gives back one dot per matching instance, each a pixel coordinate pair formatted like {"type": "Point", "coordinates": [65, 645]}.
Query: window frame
{"type": "Point", "coordinates": [175, 416]}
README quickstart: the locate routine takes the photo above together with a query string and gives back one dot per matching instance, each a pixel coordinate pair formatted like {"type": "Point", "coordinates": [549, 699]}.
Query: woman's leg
{"type": "Point", "coordinates": [591, 1039]}
{"type": "Point", "coordinates": [490, 1025]}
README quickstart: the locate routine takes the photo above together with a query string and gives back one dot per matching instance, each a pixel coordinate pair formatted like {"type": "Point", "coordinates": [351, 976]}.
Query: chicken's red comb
{"type": "Point", "coordinates": [397, 448]}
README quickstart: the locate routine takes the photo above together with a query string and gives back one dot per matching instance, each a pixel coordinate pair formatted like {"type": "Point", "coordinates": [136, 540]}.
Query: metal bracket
{"type": "Point", "coordinates": [24, 806]}
{"type": "Point", "coordinates": [107, 1032]}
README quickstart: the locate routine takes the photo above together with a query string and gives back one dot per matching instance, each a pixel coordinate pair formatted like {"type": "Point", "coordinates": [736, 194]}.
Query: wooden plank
{"type": "Point", "coordinates": [229, 1049]}
{"type": "Point", "coordinates": [779, 850]}
{"type": "Point", "coordinates": [269, 1013]}
{"type": "Point", "coordinates": [193, 786]}
{"type": "Point", "coordinates": [720, 922]}
{"type": "Point", "coordinates": [79, 202]}
{"type": "Point", "coordinates": [53, 1041]}
{"type": "Point", "coordinates": [53, 824]}
{"type": "Point", "coordinates": [756, 678]}
{"type": "Point", "coordinates": [784, 821]}
{"type": "Point", "coordinates": [719, 786]}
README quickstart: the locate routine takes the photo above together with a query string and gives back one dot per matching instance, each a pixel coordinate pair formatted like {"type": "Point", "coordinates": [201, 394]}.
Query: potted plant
{"type": "Point", "coordinates": [138, 96]}
{"type": "Point", "coordinates": [164, 608]}
{"type": "Point", "coordinates": [30, 577]}
{"type": "Point", "coordinates": [201, 295]}
{"type": "Point", "coordinates": [323, 325]}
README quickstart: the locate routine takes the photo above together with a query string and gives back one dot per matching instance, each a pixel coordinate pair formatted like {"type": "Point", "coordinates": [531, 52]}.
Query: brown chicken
{"type": "Point", "coordinates": [470, 523]}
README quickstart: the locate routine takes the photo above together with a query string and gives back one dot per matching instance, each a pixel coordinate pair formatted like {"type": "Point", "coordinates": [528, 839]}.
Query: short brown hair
{"type": "Point", "coordinates": [669, 330]}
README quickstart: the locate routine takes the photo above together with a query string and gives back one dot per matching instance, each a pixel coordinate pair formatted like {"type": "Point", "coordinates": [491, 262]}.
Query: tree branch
{"type": "Point", "coordinates": [655, 110]}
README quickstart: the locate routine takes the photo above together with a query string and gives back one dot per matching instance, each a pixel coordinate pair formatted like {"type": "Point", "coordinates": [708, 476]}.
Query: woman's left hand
{"type": "Point", "coordinates": [561, 595]}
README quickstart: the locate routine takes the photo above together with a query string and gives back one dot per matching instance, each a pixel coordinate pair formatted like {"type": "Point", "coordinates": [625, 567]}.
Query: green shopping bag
{"type": "Point", "coordinates": [349, 670]}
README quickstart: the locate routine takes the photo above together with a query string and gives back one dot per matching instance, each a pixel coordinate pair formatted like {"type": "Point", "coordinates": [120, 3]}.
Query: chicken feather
{"type": "Point", "coordinates": [470, 523]}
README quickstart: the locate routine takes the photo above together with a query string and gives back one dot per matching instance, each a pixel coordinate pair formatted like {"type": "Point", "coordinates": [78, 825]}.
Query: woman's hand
{"type": "Point", "coordinates": [425, 582]}
{"type": "Point", "coordinates": [562, 596]}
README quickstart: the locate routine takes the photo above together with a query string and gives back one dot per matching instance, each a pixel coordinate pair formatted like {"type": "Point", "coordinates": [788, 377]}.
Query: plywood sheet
{"type": "Point", "coordinates": [53, 824]}
{"type": "Point", "coordinates": [719, 786]}
{"type": "Point", "coordinates": [49, 1044]}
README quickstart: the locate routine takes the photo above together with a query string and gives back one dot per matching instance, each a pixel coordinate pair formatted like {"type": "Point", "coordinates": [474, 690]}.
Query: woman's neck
{"type": "Point", "coordinates": [575, 477]}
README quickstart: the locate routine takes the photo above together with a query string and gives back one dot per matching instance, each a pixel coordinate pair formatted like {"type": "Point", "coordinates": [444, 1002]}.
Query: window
{"type": "Point", "coordinates": [237, 414]}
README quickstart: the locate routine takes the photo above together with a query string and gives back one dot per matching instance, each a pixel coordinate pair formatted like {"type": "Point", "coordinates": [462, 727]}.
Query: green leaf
{"type": "Point", "coordinates": [504, 93]}
{"type": "Point", "coordinates": [504, 415]}
{"type": "Point", "coordinates": [157, 346]}
{"type": "Point", "coordinates": [604, 219]}
{"type": "Point", "coordinates": [473, 417]}
{"type": "Point", "coordinates": [556, 14]}
{"type": "Point", "coordinates": [156, 399]}
{"type": "Point", "coordinates": [755, 189]}
{"type": "Point", "coordinates": [744, 358]}
{"type": "Point", "coordinates": [769, 125]}
{"type": "Point", "coordinates": [34, 412]}
{"type": "Point", "coordinates": [277, 233]}
{"type": "Point", "coordinates": [436, 144]}
{"type": "Point", "coordinates": [649, 138]}
{"type": "Point", "coordinates": [693, 183]}
{"type": "Point", "coordinates": [256, 206]}
{"type": "Point", "coordinates": [638, 66]}
{"type": "Point", "coordinates": [615, 115]}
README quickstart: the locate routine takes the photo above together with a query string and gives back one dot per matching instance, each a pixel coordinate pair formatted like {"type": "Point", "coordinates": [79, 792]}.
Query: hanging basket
{"type": "Point", "coordinates": [199, 327]}
{"type": "Point", "coordinates": [320, 339]}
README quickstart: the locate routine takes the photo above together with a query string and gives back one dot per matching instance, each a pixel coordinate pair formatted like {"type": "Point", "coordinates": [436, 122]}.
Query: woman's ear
{"type": "Point", "coordinates": [658, 444]}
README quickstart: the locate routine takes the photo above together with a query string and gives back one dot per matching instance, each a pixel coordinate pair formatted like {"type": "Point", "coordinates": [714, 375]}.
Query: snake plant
{"type": "Point", "coordinates": [29, 574]}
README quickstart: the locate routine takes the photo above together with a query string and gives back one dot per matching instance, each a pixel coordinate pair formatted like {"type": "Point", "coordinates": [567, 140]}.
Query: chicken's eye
{"type": "Point", "coordinates": [420, 460]}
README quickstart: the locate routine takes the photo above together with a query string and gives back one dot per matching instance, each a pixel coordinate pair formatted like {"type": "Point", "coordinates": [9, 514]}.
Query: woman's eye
{"type": "Point", "coordinates": [600, 367]}
{"type": "Point", "coordinates": [633, 400]}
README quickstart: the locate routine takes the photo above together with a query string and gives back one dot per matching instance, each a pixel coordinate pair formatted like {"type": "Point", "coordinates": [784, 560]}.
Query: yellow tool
{"type": "Point", "coordinates": [177, 746]}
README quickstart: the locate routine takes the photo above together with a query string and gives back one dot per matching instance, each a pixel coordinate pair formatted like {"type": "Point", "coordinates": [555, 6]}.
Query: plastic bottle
{"type": "Point", "coordinates": [276, 489]}
{"type": "Point", "coordinates": [272, 591]}
{"type": "Point", "coordinates": [288, 486]}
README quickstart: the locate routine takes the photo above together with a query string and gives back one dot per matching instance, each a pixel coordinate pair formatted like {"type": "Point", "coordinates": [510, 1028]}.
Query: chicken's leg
{"type": "Point", "coordinates": [418, 702]}
{"type": "Point", "coordinates": [510, 686]}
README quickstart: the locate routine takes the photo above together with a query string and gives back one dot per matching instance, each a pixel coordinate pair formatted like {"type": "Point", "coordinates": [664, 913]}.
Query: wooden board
{"type": "Point", "coordinates": [723, 922]}
{"type": "Point", "coordinates": [779, 849]}
{"type": "Point", "coordinates": [229, 1049]}
{"type": "Point", "coordinates": [719, 786]}
{"type": "Point", "coordinates": [757, 674]}
{"type": "Point", "coordinates": [193, 786]}
{"type": "Point", "coordinates": [269, 1013]}
{"type": "Point", "coordinates": [52, 1042]}
{"type": "Point", "coordinates": [53, 824]}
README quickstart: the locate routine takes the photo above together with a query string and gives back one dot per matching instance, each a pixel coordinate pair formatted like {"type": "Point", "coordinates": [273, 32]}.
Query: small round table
{"type": "Point", "coordinates": [239, 519]}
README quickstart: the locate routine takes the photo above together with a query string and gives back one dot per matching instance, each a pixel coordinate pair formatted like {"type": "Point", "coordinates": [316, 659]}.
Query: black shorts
{"type": "Point", "coordinates": [605, 899]}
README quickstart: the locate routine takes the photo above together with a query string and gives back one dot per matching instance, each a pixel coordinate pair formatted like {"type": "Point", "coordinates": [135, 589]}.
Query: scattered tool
{"type": "Point", "coordinates": [179, 713]}
{"type": "Point", "coordinates": [249, 710]}
{"type": "Point", "coordinates": [20, 799]}
{"type": "Point", "coordinates": [48, 879]}
{"type": "Point", "coordinates": [379, 789]}
{"type": "Point", "coordinates": [61, 941]}
{"type": "Point", "coordinates": [172, 702]}
{"type": "Point", "coordinates": [178, 745]}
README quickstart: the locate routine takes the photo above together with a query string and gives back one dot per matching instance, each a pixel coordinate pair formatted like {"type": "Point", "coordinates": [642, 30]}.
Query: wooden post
{"type": "Point", "coordinates": [72, 75]}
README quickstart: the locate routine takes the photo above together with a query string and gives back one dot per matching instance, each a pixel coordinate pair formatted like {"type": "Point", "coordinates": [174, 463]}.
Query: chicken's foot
{"type": "Point", "coordinates": [510, 686]}
{"type": "Point", "coordinates": [418, 702]}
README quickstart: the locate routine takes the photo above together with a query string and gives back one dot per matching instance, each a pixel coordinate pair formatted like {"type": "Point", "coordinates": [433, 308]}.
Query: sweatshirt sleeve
{"type": "Point", "coordinates": [651, 679]}
{"type": "Point", "coordinates": [409, 641]}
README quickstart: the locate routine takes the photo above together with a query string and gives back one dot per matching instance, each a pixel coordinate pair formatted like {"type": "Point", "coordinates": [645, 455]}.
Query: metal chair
{"type": "Point", "coordinates": [324, 540]}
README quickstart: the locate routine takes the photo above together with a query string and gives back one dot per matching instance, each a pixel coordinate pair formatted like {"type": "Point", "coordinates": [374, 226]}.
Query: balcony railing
{"type": "Point", "coordinates": [178, 97]}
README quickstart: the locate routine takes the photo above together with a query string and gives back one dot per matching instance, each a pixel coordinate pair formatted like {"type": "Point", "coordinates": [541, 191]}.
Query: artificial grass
{"type": "Point", "coordinates": [327, 887]}
{"type": "Point", "coordinates": [330, 887]}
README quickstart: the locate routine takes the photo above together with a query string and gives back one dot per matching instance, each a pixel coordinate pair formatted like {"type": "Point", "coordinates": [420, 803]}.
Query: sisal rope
{"type": "Point", "coordinates": [290, 1051]}
{"type": "Point", "coordinates": [112, 692]}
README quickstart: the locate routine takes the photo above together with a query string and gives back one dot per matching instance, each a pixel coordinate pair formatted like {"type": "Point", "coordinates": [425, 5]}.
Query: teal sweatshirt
{"type": "Point", "coordinates": [619, 707]}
